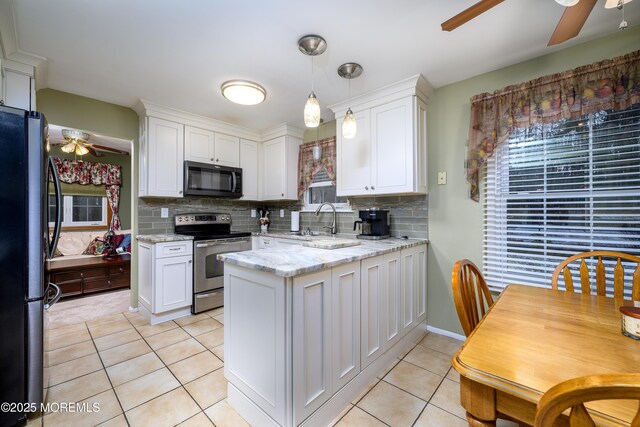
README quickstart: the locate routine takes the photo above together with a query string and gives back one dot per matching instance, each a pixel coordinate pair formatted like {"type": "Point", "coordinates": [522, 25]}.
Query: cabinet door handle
{"type": "Point", "coordinates": [81, 274]}
{"type": "Point", "coordinates": [175, 249]}
{"type": "Point", "coordinates": [180, 192]}
{"type": "Point", "coordinates": [366, 187]}
{"type": "Point", "coordinates": [282, 194]}
{"type": "Point", "coordinates": [212, 159]}
{"type": "Point", "coordinates": [373, 188]}
{"type": "Point", "coordinates": [189, 261]}
{"type": "Point", "coordinates": [121, 270]}
{"type": "Point", "coordinates": [217, 160]}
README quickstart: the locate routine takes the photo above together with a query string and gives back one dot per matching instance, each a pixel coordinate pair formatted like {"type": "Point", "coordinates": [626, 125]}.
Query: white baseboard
{"type": "Point", "coordinates": [446, 333]}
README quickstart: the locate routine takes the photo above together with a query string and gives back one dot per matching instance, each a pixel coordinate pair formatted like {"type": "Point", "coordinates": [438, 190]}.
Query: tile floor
{"type": "Point", "coordinates": [172, 374]}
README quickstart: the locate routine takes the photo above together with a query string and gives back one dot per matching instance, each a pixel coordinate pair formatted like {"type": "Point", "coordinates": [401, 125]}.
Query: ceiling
{"type": "Point", "coordinates": [178, 53]}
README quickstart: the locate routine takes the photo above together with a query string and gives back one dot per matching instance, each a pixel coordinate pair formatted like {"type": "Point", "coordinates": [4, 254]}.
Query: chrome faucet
{"type": "Point", "coordinates": [333, 225]}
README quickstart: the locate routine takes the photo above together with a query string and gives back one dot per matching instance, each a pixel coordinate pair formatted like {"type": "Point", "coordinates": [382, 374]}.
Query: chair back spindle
{"type": "Point", "coordinates": [600, 273]}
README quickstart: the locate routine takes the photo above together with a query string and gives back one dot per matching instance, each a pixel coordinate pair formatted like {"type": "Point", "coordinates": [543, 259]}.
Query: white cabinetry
{"type": "Point", "coordinates": [18, 86]}
{"type": "Point", "coordinates": [345, 328]}
{"type": "Point", "coordinates": [165, 274]}
{"type": "Point", "coordinates": [311, 343]}
{"type": "Point", "coordinates": [381, 296]}
{"type": "Point", "coordinates": [204, 146]}
{"type": "Point", "coordinates": [249, 163]}
{"type": "Point", "coordinates": [279, 168]}
{"type": "Point", "coordinates": [389, 152]}
{"type": "Point", "coordinates": [161, 158]}
{"type": "Point", "coordinates": [413, 263]}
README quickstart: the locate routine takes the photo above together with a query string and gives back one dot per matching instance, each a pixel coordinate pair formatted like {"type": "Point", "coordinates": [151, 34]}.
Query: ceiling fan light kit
{"type": "Point", "coordinates": [349, 70]}
{"type": "Point", "coordinates": [312, 45]}
{"type": "Point", "coordinates": [76, 139]}
{"type": "Point", "coordinates": [243, 92]}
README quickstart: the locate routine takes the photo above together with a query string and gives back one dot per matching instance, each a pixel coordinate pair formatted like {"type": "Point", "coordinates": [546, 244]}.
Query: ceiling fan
{"type": "Point", "coordinates": [575, 15]}
{"type": "Point", "coordinates": [78, 142]}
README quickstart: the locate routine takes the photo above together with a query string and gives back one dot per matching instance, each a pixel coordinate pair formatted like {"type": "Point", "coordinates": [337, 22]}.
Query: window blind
{"type": "Point", "coordinates": [555, 190]}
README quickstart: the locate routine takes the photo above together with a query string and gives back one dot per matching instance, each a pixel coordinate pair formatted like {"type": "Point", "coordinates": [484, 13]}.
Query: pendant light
{"type": "Point", "coordinates": [312, 45]}
{"type": "Point", "coordinates": [349, 70]}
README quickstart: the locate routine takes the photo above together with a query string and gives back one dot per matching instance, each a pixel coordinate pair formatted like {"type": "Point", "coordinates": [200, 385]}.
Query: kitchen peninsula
{"type": "Point", "coordinates": [307, 329]}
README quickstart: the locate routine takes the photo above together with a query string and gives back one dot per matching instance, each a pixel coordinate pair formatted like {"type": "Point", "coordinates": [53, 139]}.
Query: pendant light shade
{"type": "Point", "coordinates": [312, 111]}
{"type": "Point", "coordinates": [349, 126]}
{"type": "Point", "coordinates": [81, 150]}
{"type": "Point", "coordinates": [68, 148]}
{"type": "Point", "coordinates": [312, 45]}
{"type": "Point", "coordinates": [349, 71]}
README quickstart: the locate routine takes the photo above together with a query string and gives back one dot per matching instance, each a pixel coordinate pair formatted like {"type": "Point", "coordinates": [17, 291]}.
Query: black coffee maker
{"type": "Point", "coordinates": [373, 224]}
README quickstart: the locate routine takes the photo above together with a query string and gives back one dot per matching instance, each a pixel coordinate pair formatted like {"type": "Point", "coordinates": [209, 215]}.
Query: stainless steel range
{"type": "Point", "coordinates": [211, 236]}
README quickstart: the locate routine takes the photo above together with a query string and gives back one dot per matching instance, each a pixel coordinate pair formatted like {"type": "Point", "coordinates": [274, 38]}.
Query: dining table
{"type": "Point", "coordinates": [533, 338]}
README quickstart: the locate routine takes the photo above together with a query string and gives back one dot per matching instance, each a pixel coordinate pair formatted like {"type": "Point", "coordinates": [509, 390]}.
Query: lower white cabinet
{"type": "Point", "coordinates": [165, 276]}
{"type": "Point", "coordinates": [414, 278]}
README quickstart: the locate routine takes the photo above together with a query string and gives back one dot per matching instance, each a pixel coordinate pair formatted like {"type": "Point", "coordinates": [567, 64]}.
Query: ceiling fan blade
{"type": "Point", "coordinates": [93, 151]}
{"type": "Point", "coordinates": [469, 13]}
{"type": "Point", "coordinates": [571, 21]}
{"type": "Point", "coordinates": [109, 149]}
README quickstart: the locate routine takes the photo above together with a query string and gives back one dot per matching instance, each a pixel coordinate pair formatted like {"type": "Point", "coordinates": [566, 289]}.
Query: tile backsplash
{"type": "Point", "coordinates": [408, 214]}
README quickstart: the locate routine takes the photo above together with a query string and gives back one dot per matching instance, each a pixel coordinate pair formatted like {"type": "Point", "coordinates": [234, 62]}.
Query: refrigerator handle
{"type": "Point", "coordinates": [58, 218]}
{"type": "Point", "coordinates": [55, 298]}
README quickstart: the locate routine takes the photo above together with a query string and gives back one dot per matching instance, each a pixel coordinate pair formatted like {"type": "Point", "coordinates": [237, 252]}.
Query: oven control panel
{"type": "Point", "coordinates": [202, 218]}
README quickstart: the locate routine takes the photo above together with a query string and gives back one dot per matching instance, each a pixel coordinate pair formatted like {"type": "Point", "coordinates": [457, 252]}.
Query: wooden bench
{"type": "Point", "coordinates": [82, 276]}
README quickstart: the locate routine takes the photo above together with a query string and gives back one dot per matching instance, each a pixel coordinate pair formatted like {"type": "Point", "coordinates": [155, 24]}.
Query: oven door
{"type": "Point", "coordinates": [208, 273]}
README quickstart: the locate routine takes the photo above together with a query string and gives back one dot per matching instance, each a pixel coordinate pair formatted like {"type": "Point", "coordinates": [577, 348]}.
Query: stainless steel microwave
{"type": "Point", "coordinates": [202, 179]}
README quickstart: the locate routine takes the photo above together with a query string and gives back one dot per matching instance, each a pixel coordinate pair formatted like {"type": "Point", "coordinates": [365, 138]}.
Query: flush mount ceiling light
{"type": "Point", "coordinates": [243, 92]}
{"type": "Point", "coordinates": [312, 45]}
{"type": "Point", "coordinates": [77, 140]}
{"type": "Point", "coordinates": [349, 71]}
{"type": "Point", "coordinates": [567, 3]}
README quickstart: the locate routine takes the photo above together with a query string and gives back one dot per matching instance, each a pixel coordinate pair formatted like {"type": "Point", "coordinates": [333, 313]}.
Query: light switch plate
{"type": "Point", "coordinates": [253, 213]}
{"type": "Point", "coordinates": [442, 178]}
{"type": "Point", "coordinates": [281, 213]}
{"type": "Point", "coordinates": [164, 213]}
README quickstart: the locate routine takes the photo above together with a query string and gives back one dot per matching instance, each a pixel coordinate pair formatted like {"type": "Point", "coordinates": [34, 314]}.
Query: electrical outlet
{"type": "Point", "coordinates": [281, 213]}
{"type": "Point", "coordinates": [253, 213]}
{"type": "Point", "coordinates": [164, 213]}
{"type": "Point", "coordinates": [442, 178]}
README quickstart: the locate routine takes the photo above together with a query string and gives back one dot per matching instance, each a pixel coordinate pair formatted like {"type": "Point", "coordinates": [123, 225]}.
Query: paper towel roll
{"type": "Point", "coordinates": [295, 221]}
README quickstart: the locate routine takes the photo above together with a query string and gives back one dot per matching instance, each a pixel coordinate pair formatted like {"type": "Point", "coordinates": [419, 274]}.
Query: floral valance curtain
{"type": "Point", "coordinates": [81, 172]}
{"type": "Point", "coordinates": [609, 84]}
{"type": "Point", "coordinates": [308, 167]}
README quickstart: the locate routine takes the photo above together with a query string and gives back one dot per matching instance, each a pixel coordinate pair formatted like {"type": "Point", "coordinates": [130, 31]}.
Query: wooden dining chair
{"type": "Point", "coordinates": [585, 283]}
{"type": "Point", "coordinates": [470, 294]}
{"type": "Point", "coordinates": [575, 392]}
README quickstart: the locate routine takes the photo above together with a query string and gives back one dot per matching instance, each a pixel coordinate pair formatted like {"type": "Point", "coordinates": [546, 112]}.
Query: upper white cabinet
{"type": "Point", "coordinates": [389, 152]}
{"type": "Point", "coordinates": [18, 87]}
{"type": "Point", "coordinates": [204, 146]}
{"type": "Point", "coordinates": [227, 150]}
{"type": "Point", "coordinates": [249, 163]}
{"type": "Point", "coordinates": [269, 159]}
{"type": "Point", "coordinates": [198, 145]}
{"type": "Point", "coordinates": [161, 158]}
{"type": "Point", "coordinates": [280, 168]}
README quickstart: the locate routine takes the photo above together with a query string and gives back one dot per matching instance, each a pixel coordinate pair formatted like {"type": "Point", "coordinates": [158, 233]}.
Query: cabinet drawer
{"type": "Point", "coordinates": [79, 274]}
{"type": "Point", "coordinates": [70, 288]}
{"type": "Point", "coordinates": [119, 270]}
{"type": "Point", "coordinates": [169, 249]}
{"type": "Point", "coordinates": [103, 283]}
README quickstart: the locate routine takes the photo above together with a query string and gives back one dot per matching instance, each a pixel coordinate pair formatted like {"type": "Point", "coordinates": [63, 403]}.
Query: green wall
{"type": "Point", "coordinates": [78, 112]}
{"type": "Point", "coordinates": [455, 222]}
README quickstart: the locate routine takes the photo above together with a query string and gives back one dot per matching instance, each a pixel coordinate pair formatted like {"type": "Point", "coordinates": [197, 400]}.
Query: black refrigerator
{"type": "Point", "coordinates": [25, 246]}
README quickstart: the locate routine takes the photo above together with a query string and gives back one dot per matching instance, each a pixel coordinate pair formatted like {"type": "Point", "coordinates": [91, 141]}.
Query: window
{"type": "Point", "coordinates": [321, 190]}
{"type": "Point", "coordinates": [80, 211]}
{"type": "Point", "coordinates": [559, 189]}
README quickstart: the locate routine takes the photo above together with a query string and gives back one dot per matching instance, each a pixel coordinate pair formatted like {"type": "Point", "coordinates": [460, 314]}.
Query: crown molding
{"type": "Point", "coordinates": [148, 108]}
{"type": "Point", "coordinates": [415, 85]}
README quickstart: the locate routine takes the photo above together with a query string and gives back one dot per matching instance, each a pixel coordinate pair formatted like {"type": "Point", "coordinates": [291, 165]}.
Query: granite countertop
{"type": "Point", "coordinates": [161, 238]}
{"type": "Point", "coordinates": [288, 262]}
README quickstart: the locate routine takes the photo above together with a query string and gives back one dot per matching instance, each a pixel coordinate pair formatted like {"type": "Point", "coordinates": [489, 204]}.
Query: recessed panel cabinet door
{"type": "Point", "coordinates": [249, 165]}
{"type": "Point", "coordinates": [414, 286]}
{"type": "Point", "coordinates": [198, 145]}
{"type": "Point", "coordinates": [353, 157]}
{"type": "Point", "coordinates": [227, 150]}
{"type": "Point", "coordinates": [373, 289]}
{"type": "Point", "coordinates": [345, 316]}
{"type": "Point", "coordinates": [311, 343]}
{"type": "Point", "coordinates": [274, 172]}
{"type": "Point", "coordinates": [392, 151]}
{"type": "Point", "coordinates": [165, 148]}
{"type": "Point", "coordinates": [392, 300]}
{"type": "Point", "coordinates": [173, 283]}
